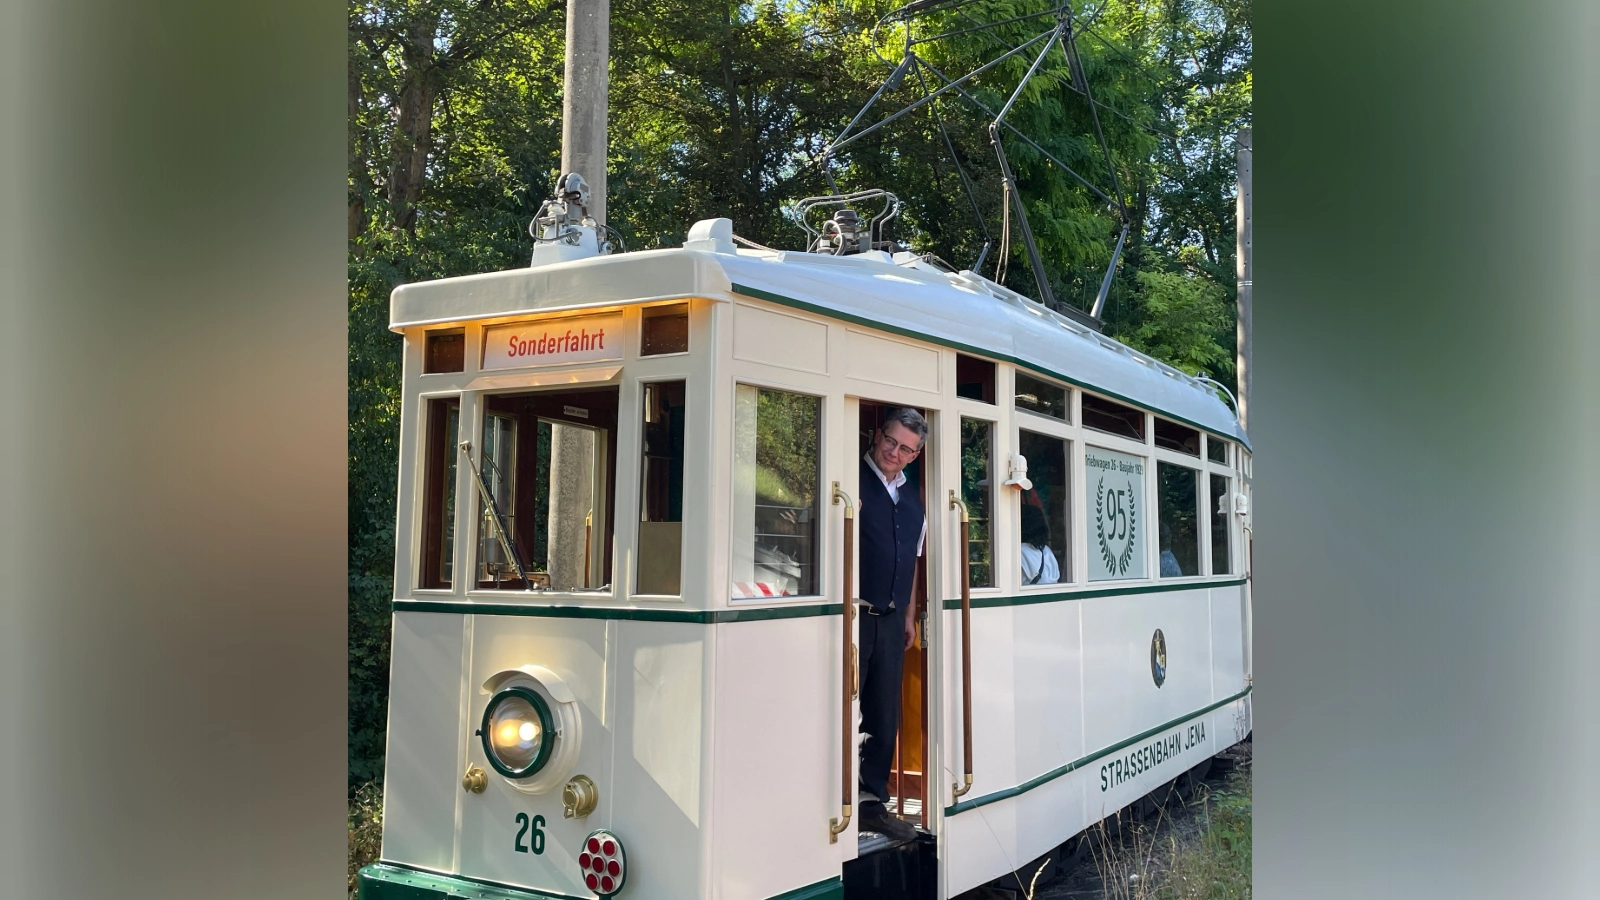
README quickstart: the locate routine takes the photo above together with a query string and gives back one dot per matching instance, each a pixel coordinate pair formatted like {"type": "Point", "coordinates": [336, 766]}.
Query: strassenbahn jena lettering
{"type": "Point", "coordinates": [1136, 762]}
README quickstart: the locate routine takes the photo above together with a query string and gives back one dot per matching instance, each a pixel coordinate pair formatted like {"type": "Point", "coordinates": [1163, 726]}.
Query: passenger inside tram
{"type": "Point", "coordinates": [1039, 565]}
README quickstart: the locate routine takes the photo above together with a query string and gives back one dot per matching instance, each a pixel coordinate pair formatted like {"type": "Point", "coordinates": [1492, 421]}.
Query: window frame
{"type": "Point", "coordinates": [1236, 478]}
{"type": "Point", "coordinates": [824, 533]}
{"type": "Point", "coordinates": [999, 430]}
{"type": "Point", "coordinates": [1202, 523]}
{"type": "Point", "coordinates": [1071, 418]}
{"type": "Point", "coordinates": [1068, 558]}
{"type": "Point", "coordinates": [419, 527]}
{"type": "Point", "coordinates": [473, 511]}
{"type": "Point", "coordinates": [637, 516]}
{"type": "Point", "coordinates": [636, 345]}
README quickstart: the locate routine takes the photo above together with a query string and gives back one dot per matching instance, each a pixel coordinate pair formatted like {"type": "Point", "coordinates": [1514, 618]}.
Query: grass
{"type": "Point", "coordinates": [1217, 864]}
{"type": "Point", "coordinates": [365, 822]}
{"type": "Point", "coordinates": [1201, 853]}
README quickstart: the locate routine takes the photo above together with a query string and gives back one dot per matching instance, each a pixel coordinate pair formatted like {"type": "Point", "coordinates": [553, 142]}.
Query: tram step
{"type": "Point", "coordinates": [900, 872]}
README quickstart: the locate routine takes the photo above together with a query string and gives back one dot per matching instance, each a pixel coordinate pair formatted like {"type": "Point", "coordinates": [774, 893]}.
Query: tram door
{"type": "Point", "coordinates": [906, 781]}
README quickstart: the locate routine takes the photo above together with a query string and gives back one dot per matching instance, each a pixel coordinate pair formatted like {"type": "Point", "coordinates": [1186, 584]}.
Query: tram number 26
{"type": "Point", "coordinates": [530, 829]}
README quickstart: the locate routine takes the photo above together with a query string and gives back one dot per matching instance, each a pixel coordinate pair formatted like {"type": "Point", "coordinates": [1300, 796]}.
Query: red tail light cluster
{"type": "Point", "coordinates": [603, 862]}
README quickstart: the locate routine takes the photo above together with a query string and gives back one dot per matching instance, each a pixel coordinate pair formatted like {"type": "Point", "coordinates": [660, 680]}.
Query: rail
{"type": "Point", "coordinates": [966, 646]}
{"type": "Point", "coordinates": [847, 677]}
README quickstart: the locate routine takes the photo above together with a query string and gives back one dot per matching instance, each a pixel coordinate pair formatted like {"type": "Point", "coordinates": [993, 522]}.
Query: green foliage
{"type": "Point", "coordinates": [1186, 322]}
{"type": "Point", "coordinates": [1216, 865]}
{"type": "Point", "coordinates": [720, 109]}
{"type": "Point", "coordinates": [364, 825]}
{"type": "Point", "coordinates": [787, 435]}
{"type": "Point", "coordinates": [976, 484]}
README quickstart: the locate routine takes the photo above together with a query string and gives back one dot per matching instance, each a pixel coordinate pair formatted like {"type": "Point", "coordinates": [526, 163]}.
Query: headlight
{"type": "Point", "coordinates": [518, 733]}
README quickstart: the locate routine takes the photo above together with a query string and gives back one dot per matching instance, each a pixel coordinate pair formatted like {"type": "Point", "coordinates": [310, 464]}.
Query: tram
{"type": "Point", "coordinates": [623, 620]}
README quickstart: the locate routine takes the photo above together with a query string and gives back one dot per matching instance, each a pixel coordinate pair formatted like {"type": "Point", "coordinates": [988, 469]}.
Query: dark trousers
{"type": "Point", "coordinates": [883, 653]}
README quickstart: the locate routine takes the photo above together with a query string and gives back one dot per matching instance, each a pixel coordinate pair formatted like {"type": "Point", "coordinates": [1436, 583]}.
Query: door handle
{"type": "Point", "coordinates": [847, 680]}
{"type": "Point", "coordinates": [966, 646]}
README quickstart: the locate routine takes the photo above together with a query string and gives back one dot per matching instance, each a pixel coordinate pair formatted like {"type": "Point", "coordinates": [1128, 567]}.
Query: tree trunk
{"type": "Point", "coordinates": [413, 138]}
{"type": "Point", "coordinates": [355, 163]}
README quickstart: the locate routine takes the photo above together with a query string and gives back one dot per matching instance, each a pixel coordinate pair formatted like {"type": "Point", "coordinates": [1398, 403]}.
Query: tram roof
{"type": "Point", "coordinates": [959, 310]}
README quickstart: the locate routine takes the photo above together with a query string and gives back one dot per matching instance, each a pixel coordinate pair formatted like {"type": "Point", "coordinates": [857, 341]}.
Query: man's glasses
{"type": "Point", "coordinates": [890, 445]}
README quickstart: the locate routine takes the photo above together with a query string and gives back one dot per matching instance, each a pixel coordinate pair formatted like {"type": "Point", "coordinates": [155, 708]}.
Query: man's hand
{"type": "Point", "coordinates": [911, 626]}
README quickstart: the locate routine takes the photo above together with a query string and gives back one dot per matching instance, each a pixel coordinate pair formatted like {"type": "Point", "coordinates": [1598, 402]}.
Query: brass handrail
{"type": "Point", "coordinates": [966, 646]}
{"type": "Point", "coordinates": [837, 825]}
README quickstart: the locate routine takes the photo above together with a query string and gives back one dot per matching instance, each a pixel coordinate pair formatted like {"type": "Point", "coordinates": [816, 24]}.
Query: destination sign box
{"type": "Point", "coordinates": [553, 342]}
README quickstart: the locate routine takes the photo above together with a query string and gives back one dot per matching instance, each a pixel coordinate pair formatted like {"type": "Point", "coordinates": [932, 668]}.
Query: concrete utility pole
{"type": "Point", "coordinates": [1243, 273]}
{"type": "Point", "coordinates": [584, 106]}
{"type": "Point", "coordinates": [573, 544]}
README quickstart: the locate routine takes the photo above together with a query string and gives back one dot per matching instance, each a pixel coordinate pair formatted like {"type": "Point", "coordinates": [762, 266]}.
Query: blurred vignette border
{"type": "Point", "coordinates": [174, 279]}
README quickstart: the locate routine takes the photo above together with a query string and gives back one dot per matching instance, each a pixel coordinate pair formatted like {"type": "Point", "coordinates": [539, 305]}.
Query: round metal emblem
{"type": "Point", "coordinates": [1158, 657]}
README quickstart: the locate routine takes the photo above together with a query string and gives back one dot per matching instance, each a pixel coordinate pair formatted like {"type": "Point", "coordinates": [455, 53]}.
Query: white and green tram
{"type": "Point", "coordinates": [623, 574]}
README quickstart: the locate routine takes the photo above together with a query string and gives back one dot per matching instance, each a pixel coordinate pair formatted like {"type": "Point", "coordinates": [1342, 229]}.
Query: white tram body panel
{"type": "Point", "coordinates": [708, 719]}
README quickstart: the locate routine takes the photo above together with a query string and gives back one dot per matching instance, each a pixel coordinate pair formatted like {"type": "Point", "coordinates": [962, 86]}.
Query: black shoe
{"type": "Point", "coordinates": [890, 826]}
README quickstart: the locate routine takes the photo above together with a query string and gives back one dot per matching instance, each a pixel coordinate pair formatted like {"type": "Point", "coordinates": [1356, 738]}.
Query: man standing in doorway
{"type": "Point", "coordinates": [893, 528]}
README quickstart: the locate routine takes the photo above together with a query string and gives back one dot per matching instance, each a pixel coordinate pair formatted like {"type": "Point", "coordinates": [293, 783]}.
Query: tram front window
{"type": "Point", "coordinates": [661, 490]}
{"type": "Point", "coordinates": [546, 472]}
{"type": "Point", "coordinates": [443, 419]}
{"type": "Point", "coordinates": [776, 479]}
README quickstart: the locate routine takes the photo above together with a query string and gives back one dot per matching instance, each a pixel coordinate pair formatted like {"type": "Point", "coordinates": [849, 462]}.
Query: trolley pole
{"type": "Point", "coordinates": [584, 106]}
{"type": "Point", "coordinates": [1244, 366]}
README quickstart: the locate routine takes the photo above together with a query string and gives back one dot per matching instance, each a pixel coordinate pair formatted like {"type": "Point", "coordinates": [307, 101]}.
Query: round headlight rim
{"type": "Point", "coordinates": [546, 722]}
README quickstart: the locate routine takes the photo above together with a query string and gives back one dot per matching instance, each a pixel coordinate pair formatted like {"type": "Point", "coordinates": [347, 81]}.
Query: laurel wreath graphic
{"type": "Point", "coordinates": [1100, 525]}
{"type": "Point", "coordinates": [1116, 563]}
{"type": "Point", "coordinates": [1126, 558]}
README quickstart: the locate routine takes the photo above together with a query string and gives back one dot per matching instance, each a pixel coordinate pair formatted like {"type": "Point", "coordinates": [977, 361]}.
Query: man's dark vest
{"type": "Point", "coordinates": [889, 535]}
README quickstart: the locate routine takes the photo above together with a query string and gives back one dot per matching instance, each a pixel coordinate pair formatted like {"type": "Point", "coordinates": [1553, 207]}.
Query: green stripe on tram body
{"type": "Point", "coordinates": [1057, 597]}
{"type": "Point", "coordinates": [792, 303]}
{"type": "Point", "coordinates": [1053, 774]}
{"type": "Point", "coordinates": [763, 613]}
{"type": "Point", "coordinates": [828, 889]}
{"type": "Point", "coordinates": [626, 613]}
{"type": "Point", "coordinates": [393, 881]}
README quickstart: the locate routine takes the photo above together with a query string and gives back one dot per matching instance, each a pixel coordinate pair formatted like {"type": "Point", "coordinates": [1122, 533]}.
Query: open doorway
{"type": "Point", "coordinates": [906, 781]}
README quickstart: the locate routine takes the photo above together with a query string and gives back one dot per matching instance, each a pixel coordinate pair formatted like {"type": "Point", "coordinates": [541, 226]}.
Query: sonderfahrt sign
{"type": "Point", "coordinates": [553, 342]}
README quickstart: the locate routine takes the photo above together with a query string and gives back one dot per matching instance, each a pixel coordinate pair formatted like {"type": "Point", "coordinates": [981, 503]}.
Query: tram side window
{"type": "Point", "coordinates": [776, 489]}
{"type": "Point", "coordinates": [1172, 436]}
{"type": "Point", "coordinates": [1113, 418]}
{"type": "Point", "coordinates": [1219, 525]}
{"type": "Point", "coordinates": [1177, 512]}
{"type": "Point", "coordinates": [1043, 517]}
{"type": "Point", "coordinates": [661, 490]}
{"type": "Point", "coordinates": [976, 472]}
{"type": "Point", "coordinates": [1041, 397]}
{"type": "Point", "coordinates": [545, 477]}
{"type": "Point", "coordinates": [974, 378]}
{"type": "Point", "coordinates": [443, 420]}
{"type": "Point", "coordinates": [1216, 449]}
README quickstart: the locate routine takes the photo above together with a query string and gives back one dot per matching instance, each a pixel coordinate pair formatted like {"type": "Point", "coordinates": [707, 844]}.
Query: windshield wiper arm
{"type": "Point", "coordinates": [506, 543]}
